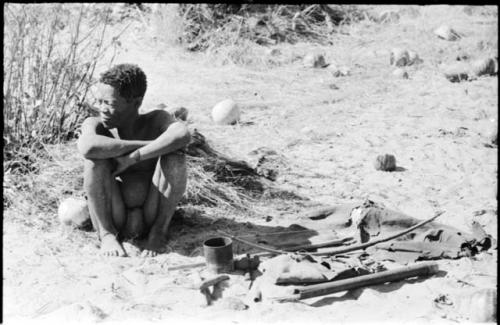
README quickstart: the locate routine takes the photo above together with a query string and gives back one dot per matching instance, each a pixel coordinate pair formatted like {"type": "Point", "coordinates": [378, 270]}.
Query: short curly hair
{"type": "Point", "coordinates": [129, 79]}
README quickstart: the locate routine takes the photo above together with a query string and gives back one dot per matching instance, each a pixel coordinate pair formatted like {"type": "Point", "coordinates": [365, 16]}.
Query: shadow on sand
{"type": "Point", "coordinates": [187, 234]}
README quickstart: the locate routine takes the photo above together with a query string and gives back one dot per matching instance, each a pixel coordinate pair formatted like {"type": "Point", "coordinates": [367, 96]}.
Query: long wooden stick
{"type": "Point", "coordinates": [421, 269]}
{"type": "Point", "coordinates": [341, 250]}
{"type": "Point", "coordinates": [378, 241]}
{"type": "Point", "coordinates": [336, 242]}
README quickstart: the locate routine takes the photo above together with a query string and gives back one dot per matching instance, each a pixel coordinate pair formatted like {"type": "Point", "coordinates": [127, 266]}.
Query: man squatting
{"type": "Point", "coordinates": [134, 171]}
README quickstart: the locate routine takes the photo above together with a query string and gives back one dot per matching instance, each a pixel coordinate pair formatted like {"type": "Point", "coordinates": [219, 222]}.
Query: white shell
{"type": "Point", "coordinates": [226, 112]}
{"type": "Point", "coordinates": [73, 212]}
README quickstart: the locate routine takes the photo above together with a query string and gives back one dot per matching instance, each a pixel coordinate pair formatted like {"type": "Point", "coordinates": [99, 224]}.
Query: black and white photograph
{"type": "Point", "coordinates": [250, 163]}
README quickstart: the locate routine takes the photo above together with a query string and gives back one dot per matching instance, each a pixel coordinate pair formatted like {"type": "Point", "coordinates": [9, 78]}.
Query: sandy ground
{"type": "Point", "coordinates": [329, 130]}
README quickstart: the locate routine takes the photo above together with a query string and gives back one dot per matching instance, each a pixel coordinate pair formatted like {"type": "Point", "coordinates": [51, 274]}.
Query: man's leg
{"type": "Point", "coordinates": [167, 188]}
{"type": "Point", "coordinates": [134, 187]}
{"type": "Point", "coordinates": [134, 227]}
{"type": "Point", "coordinates": [106, 207]}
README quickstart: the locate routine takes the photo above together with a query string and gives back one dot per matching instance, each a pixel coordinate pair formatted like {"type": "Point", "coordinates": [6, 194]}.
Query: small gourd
{"type": "Point", "coordinates": [312, 60]}
{"type": "Point", "coordinates": [447, 33]}
{"type": "Point", "coordinates": [488, 66]}
{"type": "Point", "coordinates": [385, 163]}
{"type": "Point", "coordinates": [399, 57]}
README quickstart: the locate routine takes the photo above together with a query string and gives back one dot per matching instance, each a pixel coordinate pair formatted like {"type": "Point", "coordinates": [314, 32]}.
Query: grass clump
{"type": "Point", "coordinates": [209, 26]}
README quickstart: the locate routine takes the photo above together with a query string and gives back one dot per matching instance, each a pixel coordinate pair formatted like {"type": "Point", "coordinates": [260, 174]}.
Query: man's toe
{"type": "Point", "coordinates": [148, 253]}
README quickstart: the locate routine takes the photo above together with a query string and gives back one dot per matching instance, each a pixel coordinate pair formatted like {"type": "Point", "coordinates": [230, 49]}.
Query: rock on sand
{"type": "Point", "coordinates": [399, 57]}
{"type": "Point", "coordinates": [313, 60]}
{"type": "Point", "coordinates": [385, 162]}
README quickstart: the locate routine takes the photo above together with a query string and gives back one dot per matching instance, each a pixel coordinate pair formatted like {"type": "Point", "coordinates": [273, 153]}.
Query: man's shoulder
{"type": "Point", "coordinates": [154, 113]}
{"type": "Point", "coordinates": [92, 120]}
{"type": "Point", "coordinates": [158, 117]}
{"type": "Point", "coordinates": [93, 124]}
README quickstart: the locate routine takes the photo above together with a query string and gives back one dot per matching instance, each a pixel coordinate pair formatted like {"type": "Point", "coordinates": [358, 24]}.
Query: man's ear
{"type": "Point", "coordinates": [137, 102]}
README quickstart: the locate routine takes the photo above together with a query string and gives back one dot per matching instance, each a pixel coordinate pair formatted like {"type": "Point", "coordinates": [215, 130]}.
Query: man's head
{"type": "Point", "coordinates": [120, 93]}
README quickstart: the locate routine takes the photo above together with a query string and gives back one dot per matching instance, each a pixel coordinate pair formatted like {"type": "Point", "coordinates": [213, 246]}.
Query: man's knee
{"type": "Point", "coordinates": [134, 227]}
{"type": "Point", "coordinates": [172, 162]}
{"type": "Point", "coordinates": [97, 165]}
{"type": "Point", "coordinates": [95, 171]}
{"type": "Point", "coordinates": [174, 171]}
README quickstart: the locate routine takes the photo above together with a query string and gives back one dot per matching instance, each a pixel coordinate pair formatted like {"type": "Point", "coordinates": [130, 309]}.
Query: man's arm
{"type": "Point", "coordinates": [175, 136]}
{"type": "Point", "coordinates": [94, 143]}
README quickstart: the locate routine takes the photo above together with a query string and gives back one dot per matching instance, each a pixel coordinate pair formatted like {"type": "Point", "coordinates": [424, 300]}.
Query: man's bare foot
{"type": "Point", "coordinates": [154, 244]}
{"type": "Point", "coordinates": [111, 247]}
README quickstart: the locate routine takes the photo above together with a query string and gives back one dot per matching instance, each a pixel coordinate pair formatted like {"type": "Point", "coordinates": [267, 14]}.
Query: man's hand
{"type": "Point", "coordinates": [124, 162]}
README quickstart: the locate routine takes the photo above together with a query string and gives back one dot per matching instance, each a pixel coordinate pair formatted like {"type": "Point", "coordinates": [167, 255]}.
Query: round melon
{"type": "Point", "coordinates": [399, 57]}
{"type": "Point", "coordinates": [73, 212]}
{"type": "Point", "coordinates": [226, 112]}
{"type": "Point", "coordinates": [312, 60]}
{"type": "Point", "coordinates": [456, 72]}
{"type": "Point", "coordinates": [447, 33]}
{"type": "Point", "coordinates": [413, 58]}
{"type": "Point", "coordinates": [488, 66]}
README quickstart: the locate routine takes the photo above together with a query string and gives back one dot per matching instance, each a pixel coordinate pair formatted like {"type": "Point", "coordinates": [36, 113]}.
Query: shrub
{"type": "Point", "coordinates": [50, 55]}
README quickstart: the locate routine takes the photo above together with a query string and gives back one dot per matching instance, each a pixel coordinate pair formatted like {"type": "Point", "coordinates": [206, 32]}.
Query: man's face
{"type": "Point", "coordinates": [114, 110]}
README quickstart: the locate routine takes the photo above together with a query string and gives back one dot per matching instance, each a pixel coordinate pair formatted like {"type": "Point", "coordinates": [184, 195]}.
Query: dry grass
{"type": "Point", "coordinates": [215, 180]}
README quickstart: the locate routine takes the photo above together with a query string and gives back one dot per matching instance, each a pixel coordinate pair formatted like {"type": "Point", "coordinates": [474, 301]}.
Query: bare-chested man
{"type": "Point", "coordinates": [134, 172]}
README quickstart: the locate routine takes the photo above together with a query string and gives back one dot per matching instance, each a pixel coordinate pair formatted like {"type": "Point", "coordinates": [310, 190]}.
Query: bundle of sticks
{"type": "Point", "coordinates": [309, 291]}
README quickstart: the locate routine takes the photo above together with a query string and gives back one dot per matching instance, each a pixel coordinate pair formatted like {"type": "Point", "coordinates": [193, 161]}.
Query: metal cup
{"type": "Point", "coordinates": [218, 254]}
